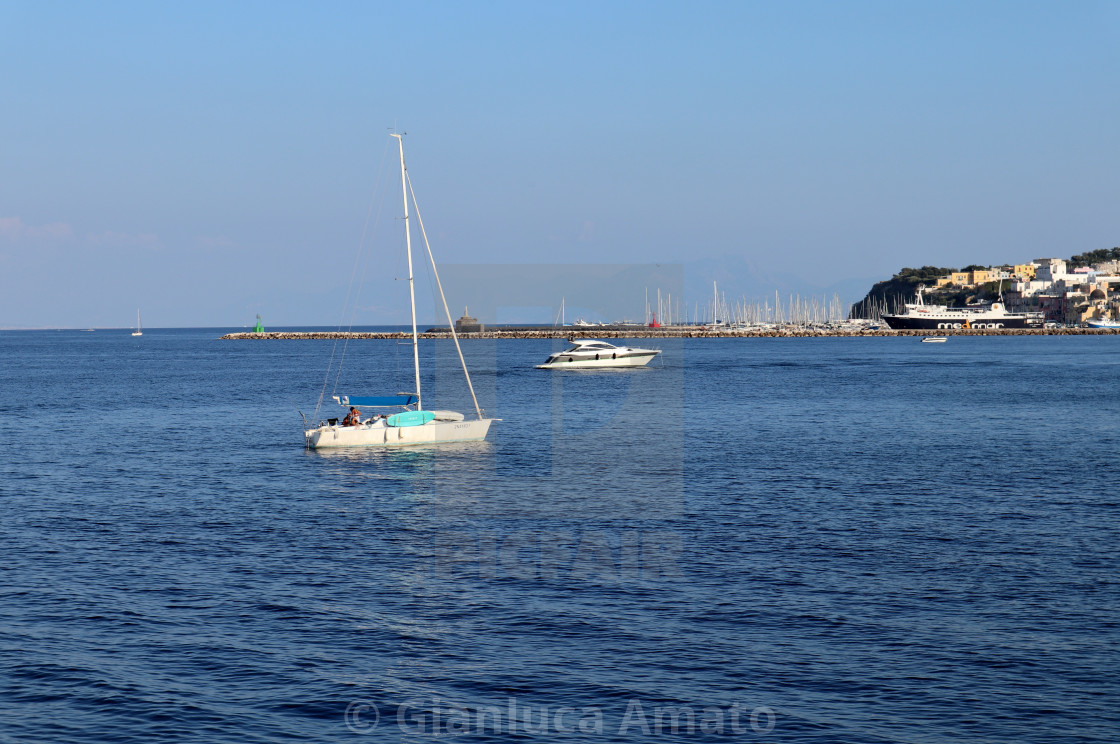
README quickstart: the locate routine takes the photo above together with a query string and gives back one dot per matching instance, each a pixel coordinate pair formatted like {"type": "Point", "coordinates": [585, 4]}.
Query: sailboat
{"type": "Point", "coordinates": [412, 425]}
{"type": "Point", "coordinates": [716, 323]}
{"type": "Point", "coordinates": [139, 331]}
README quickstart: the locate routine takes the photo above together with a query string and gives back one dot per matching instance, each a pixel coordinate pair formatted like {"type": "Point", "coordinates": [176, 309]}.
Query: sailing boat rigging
{"type": "Point", "coordinates": [412, 425]}
{"type": "Point", "coordinates": [139, 331]}
{"type": "Point", "coordinates": [716, 322]}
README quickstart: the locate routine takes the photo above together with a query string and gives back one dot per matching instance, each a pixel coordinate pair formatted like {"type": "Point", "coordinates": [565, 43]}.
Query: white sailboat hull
{"type": "Point", "coordinates": [378, 434]}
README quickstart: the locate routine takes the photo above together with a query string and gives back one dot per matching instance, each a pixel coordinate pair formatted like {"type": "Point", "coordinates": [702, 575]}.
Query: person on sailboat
{"type": "Point", "coordinates": [354, 418]}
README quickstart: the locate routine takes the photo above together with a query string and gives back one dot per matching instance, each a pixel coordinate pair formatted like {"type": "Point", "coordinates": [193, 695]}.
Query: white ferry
{"type": "Point", "coordinates": [920, 316]}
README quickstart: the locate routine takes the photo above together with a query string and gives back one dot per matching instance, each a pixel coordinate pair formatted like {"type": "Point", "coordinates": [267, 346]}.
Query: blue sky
{"type": "Point", "coordinates": [209, 161]}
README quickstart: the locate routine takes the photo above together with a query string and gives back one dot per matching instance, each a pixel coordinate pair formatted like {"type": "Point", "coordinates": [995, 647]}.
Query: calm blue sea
{"type": "Point", "coordinates": [780, 540]}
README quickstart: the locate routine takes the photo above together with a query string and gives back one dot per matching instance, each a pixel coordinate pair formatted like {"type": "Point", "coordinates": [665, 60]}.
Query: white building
{"type": "Point", "coordinates": [1030, 288]}
{"type": "Point", "coordinates": [1050, 269]}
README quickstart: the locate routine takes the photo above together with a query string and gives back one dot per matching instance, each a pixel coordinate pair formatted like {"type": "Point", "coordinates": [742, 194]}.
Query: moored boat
{"type": "Point", "coordinates": [918, 315]}
{"type": "Point", "coordinates": [1106, 323]}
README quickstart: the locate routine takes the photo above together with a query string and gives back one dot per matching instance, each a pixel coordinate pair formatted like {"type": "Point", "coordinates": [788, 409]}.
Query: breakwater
{"type": "Point", "coordinates": [608, 332]}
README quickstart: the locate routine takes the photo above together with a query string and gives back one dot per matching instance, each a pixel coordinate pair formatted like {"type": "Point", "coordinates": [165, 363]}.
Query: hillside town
{"type": "Point", "coordinates": [1047, 285]}
{"type": "Point", "coordinates": [1081, 290]}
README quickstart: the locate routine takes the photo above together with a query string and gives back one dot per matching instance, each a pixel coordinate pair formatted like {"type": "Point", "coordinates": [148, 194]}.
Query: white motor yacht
{"type": "Point", "coordinates": [589, 353]}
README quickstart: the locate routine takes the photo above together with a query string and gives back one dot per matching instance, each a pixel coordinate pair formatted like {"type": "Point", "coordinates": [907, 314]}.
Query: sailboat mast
{"type": "Point", "coordinates": [411, 288]}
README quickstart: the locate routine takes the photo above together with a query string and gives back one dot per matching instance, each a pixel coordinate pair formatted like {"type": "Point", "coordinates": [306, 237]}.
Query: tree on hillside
{"type": "Point", "coordinates": [1094, 257]}
{"type": "Point", "coordinates": [958, 296]}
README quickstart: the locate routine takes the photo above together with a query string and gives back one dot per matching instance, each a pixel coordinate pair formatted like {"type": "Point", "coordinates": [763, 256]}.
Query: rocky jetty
{"type": "Point", "coordinates": [609, 332]}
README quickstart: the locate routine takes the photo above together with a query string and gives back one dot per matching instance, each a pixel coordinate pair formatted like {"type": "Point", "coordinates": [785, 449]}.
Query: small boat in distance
{"type": "Point", "coordinates": [934, 340]}
{"type": "Point", "coordinates": [139, 331]}
{"type": "Point", "coordinates": [589, 353]}
{"type": "Point", "coordinates": [716, 324]}
{"type": "Point", "coordinates": [1104, 323]}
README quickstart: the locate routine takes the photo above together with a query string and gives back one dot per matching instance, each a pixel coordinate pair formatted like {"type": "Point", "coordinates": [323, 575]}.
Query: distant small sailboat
{"type": "Point", "coordinates": [716, 323]}
{"type": "Point", "coordinates": [139, 331]}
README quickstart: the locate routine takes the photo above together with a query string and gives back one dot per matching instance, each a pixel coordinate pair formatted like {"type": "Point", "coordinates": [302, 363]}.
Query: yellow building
{"type": "Point", "coordinates": [983, 276]}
